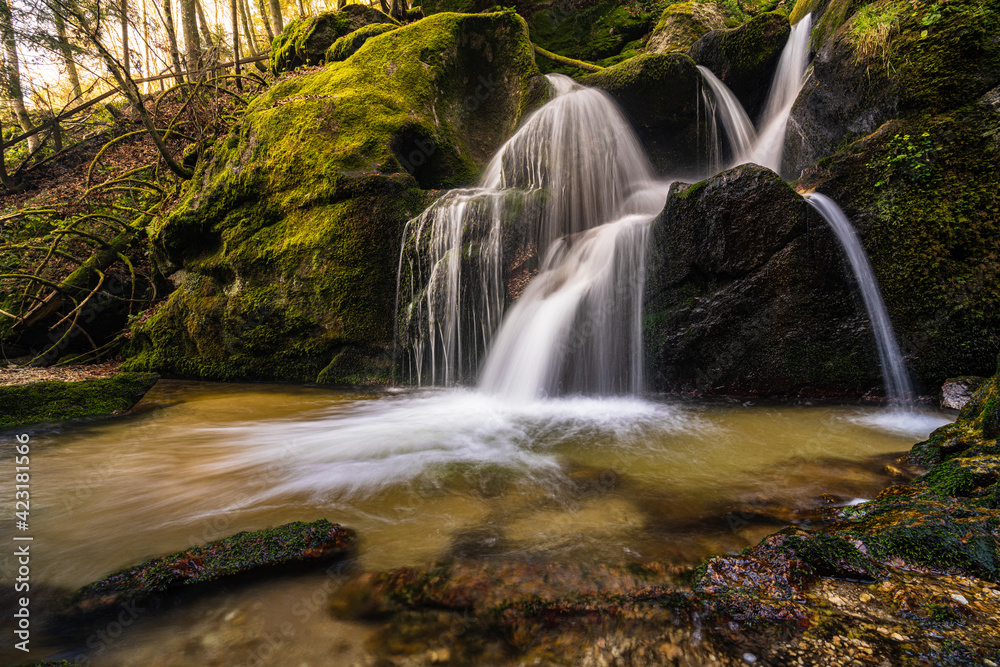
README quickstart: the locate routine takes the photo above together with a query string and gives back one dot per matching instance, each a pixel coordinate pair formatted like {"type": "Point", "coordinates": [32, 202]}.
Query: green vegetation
{"type": "Point", "coordinates": [288, 239]}
{"type": "Point", "coordinates": [871, 30]}
{"type": "Point", "coordinates": [305, 40]}
{"type": "Point", "coordinates": [41, 402]}
{"type": "Point", "coordinates": [345, 46]}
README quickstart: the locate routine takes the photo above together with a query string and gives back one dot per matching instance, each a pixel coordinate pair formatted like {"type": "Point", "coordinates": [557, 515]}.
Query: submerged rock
{"type": "Point", "coordinates": [747, 293]}
{"type": "Point", "coordinates": [41, 402]}
{"type": "Point", "coordinates": [305, 41]}
{"type": "Point", "coordinates": [291, 547]}
{"type": "Point", "coordinates": [290, 235]}
{"type": "Point", "coordinates": [956, 392]}
{"type": "Point", "coordinates": [745, 58]}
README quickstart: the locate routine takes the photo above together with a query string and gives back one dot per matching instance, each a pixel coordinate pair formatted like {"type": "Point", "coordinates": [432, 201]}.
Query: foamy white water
{"type": "Point", "coordinates": [570, 194]}
{"type": "Point", "coordinates": [739, 131]}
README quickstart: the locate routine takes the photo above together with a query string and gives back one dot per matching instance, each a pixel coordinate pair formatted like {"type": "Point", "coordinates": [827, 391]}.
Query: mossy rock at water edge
{"type": "Point", "coordinates": [284, 246]}
{"type": "Point", "coordinates": [747, 293]}
{"type": "Point", "coordinates": [682, 24]}
{"type": "Point", "coordinates": [293, 546]}
{"type": "Point", "coordinates": [43, 402]}
{"type": "Point", "coordinates": [305, 41]}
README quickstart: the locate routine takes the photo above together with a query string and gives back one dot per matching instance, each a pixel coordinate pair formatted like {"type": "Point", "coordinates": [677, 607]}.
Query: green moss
{"type": "Point", "coordinates": [22, 405]}
{"type": "Point", "coordinates": [291, 545]}
{"type": "Point", "coordinates": [680, 25]}
{"type": "Point", "coordinates": [289, 237]}
{"type": "Point", "coordinates": [345, 46]}
{"type": "Point", "coordinates": [305, 41]}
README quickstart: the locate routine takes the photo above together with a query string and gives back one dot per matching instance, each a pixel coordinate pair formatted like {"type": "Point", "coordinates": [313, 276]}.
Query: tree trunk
{"type": "Point", "coordinates": [279, 23]}
{"type": "Point", "coordinates": [251, 38]}
{"type": "Point", "coordinates": [67, 54]}
{"type": "Point", "coordinates": [13, 73]}
{"type": "Point", "coordinates": [236, 42]}
{"type": "Point", "coordinates": [206, 31]}
{"type": "Point", "coordinates": [192, 43]}
{"type": "Point", "coordinates": [168, 23]}
{"type": "Point", "coordinates": [267, 23]}
{"type": "Point", "coordinates": [302, 9]}
{"type": "Point", "coordinates": [398, 10]}
{"type": "Point", "coordinates": [126, 64]}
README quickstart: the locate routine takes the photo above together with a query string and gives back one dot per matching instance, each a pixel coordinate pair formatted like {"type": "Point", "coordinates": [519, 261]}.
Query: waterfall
{"type": "Point", "coordinates": [739, 130]}
{"type": "Point", "coordinates": [785, 87]}
{"type": "Point", "coordinates": [897, 383]}
{"type": "Point", "coordinates": [574, 166]}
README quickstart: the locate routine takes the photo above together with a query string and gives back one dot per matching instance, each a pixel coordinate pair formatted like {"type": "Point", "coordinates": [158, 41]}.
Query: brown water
{"type": "Point", "coordinates": [422, 477]}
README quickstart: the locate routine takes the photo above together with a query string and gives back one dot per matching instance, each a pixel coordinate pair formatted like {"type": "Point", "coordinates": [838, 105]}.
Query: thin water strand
{"type": "Point", "coordinates": [739, 131]}
{"type": "Point", "coordinates": [788, 80]}
{"type": "Point", "coordinates": [898, 388]}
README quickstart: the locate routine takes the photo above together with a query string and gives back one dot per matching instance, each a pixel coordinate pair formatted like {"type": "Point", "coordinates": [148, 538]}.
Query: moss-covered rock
{"type": "Point", "coordinates": [682, 24]}
{"type": "Point", "coordinates": [345, 46]}
{"type": "Point", "coordinates": [658, 93]}
{"type": "Point", "coordinates": [745, 58]}
{"type": "Point", "coordinates": [41, 402]}
{"type": "Point", "coordinates": [291, 547]}
{"type": "Point", "coordinates": [284, 246]}
{"type": "Point", "coordinates": [747, 293]}
{"type": "Point", "coordinates": [305, 41]}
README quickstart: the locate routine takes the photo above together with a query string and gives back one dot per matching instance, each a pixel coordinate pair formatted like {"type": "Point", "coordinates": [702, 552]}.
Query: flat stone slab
{"type": "Point", "coordinates": [43, 402]}
{"type": "Point", "coordinates": [293, 546]}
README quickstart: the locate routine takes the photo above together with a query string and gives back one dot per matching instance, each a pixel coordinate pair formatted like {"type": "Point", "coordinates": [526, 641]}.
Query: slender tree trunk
{"type": "Point", "coordinates": [236, 42]}
{"type": "Point", "coordinates": [250, 37]}
{"type": "Point", "coordinates": [398, 10]}
{"type": "Point", "coordinates": [267, 24]}
{"type": "Point", "coordinates": [126, 58]}
{"type": "Point", "coordinates": [168, 23]}
{"type": "Point", "coordinates": [13, 73]}
{"type": "Point", "coordinates": [189, 21]}
{"type": "Point", "coordinates": [206, 31]}
{"type": "Point", "coordinates": [279, 23]}
{"type": "Point", "coordinates": [302, 9]}
{"type": "Point", "coordinates": [67, 54]}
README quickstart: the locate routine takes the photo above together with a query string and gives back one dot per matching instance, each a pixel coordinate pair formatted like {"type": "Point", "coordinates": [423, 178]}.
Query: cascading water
{"type": "Point", "coordinates": [897, 381]}
{"type": "Point", "coordinates": [765, 146]}
{"type": "Point", "coordinates": [548, 193]}
{"type": "Point", "coordinates": [785, 87]}
{"type": "Point", "coordinates": [740, 133]}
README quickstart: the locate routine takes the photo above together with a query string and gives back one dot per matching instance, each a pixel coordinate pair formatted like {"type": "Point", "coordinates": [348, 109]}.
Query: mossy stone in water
{"type": "Point", "coordinates": [293, 546]}
{"type": "Point", "coordinates": [42, 402]}
{"type": "Point", "coordinates": [284, 246]}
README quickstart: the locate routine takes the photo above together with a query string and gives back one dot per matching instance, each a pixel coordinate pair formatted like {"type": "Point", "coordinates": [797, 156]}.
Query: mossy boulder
{"type": "Point", "coordinates": [682, 24]}
{"type": "Point", "coordinates": [745, 58]}
{"type": "Point", "coordinates": [747, 293]}
{"type": "Point", "coordinates": [43, 402]}
{"type": "Point", "coordinates": [658, 93]}
{"type": "Point", "coordinates": [887, 60]}
{"type": "Point", "coordinates": [284, 246]}
{"type": "Point", "coordinates": [292, 547]}
{"type": "Point", "coordinates": [305, 41]}
{"type": "Point", "coordinates": [345, 46]}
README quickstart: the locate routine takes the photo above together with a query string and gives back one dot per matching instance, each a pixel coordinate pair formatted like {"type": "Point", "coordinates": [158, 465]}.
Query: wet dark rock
{"type": "Point", "coordinates": [666, 124]}
{"type": "Point", "coordinates": [45, 402]}
{"type": "Point", "coordinates": [292, 547]}
{"type": "Point", "coordinates": [745, 58]}
{"type": "Point", "coordinates": [747, 293]}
